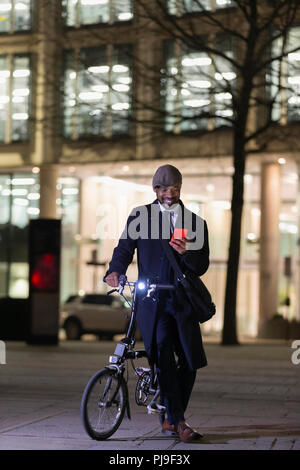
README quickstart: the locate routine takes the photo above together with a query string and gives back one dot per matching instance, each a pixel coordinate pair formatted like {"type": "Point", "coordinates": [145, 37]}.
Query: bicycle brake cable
{"type": "Point", "coordinates": [126, 300]}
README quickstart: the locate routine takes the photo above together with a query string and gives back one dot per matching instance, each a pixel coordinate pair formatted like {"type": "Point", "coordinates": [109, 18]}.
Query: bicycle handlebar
{"type": "Point", "coordinates": [146, 287]}
{"type": "Point", "coordinates": [150, 287]}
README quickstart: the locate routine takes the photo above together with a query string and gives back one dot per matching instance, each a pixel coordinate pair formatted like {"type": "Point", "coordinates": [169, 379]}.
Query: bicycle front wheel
{"type": "Point", "coordinates": [103, 404]}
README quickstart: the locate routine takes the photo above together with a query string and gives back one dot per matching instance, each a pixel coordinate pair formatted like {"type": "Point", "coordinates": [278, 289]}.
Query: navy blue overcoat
{"type": "Point", "coordinates": [140, 233]}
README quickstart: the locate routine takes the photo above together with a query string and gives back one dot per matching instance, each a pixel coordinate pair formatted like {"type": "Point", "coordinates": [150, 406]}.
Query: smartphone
{"type": "Point", "coordinates": [180, 233]}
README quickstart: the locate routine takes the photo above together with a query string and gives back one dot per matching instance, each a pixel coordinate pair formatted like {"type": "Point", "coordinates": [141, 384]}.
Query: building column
{"type": "Point", "coordinates": [46, 141]}
{"type": "Point", "coordinates": [88, 219]}
{"type": "Point", "coordinates": [149, 48]}
{"type": "Point", "coordinates": [48, 191]}
{"type": "Point", "coordinates": [269, 241]}
{"type": "Point", "coordinates": [46, 79]}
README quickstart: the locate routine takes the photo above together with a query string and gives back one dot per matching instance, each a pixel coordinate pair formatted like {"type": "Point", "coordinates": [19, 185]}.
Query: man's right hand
{"type": "Point", "coordinates": [112, 279]}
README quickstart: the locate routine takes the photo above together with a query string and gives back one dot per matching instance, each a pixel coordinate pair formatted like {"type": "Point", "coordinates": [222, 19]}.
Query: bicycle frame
{"type": "Point", "coordinates": [124, 350]}
{"type": "Point", "coordinates": [146, 385]}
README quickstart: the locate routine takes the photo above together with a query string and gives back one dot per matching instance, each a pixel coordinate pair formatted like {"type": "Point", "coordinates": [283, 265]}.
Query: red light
{"type": "Point", "coordinates": [45, 275]}
{"type": "Point", "coordinates": [48, 259]}
{"type": "Point", "coordinates": [36, 279]}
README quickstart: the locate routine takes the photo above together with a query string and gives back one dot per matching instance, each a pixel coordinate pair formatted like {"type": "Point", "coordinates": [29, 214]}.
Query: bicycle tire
{"type": "Point", "coordinates": [101, 417]}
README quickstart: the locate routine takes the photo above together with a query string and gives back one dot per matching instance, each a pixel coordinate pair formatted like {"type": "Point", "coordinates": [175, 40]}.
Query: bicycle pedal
{"type": "Point", "coordinates": [156, 409]}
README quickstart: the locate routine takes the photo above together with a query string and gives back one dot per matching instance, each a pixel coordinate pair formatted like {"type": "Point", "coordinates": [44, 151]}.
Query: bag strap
{"type": "Point", "coordinates": [171, 257]}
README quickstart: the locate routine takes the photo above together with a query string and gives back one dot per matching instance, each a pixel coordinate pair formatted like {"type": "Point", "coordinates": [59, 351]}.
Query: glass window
{"type": "Point", "coordinates": [293, 76]}
{"type": "Point", "coordinates": [69, 12]}
{"type": "Point", "coordinates": [195, 91]}
{"type": "Point", "coordinates": [25, 199]}
{"type": "Point", "coordinates": [19, 200]}
{"type": "Point", "coordinates": [283, 79]}
{"type": "Point", "coordinates": [15, 15]}
{"type": "Point", "coordinates": [93, 11]}
{"type": "Point", "coordinates": [224, 81]}
{"type": "Point", "coordinates": [68, 209]}
{"type": "Point", "coordinates": [5, 207]}
{"type": "Point", "coordinates": [93, 92]}
{"type": "Point", "coordinates": [224, 3]}
{"type": "Point", "coordinates": [121, 86]}
{"type": "Point", "coordinates": [273, 74]}
{"type": "Point", "coordinates": [87, 12]}
{"type": "Point", "coordinates": [122, 10]}
{"type": "Point", "coordinates": [4, 95]}
{"type": "Point", "coordinates": [20, 98]}
{"type": "Point", "coordinates": [197, 87]}
{"type": "Point", "coordinates": [69, 95]}
{"type": "Point", "coordinates": [14, 98]}
{"type": "Point", "coordinates": [180, 7]}
{"type": "Point", "coordinates": [97, 89]}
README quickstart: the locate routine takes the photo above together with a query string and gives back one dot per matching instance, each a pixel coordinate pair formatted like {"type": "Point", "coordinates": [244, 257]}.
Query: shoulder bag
{"type": "Point", "coordinates": [197, 293]}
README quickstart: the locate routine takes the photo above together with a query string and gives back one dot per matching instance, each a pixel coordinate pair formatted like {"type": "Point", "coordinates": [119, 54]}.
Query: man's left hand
{"type": "Point", "coordinates": [179, 244]}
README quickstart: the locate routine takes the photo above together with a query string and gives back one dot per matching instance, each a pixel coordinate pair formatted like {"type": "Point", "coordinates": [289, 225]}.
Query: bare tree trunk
{"type": "Point", "coordinates": [229, 334]}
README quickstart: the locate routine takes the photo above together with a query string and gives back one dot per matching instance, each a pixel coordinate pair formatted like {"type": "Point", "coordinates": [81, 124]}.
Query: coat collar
{"type": "Point", "coordinates": [179, 222]}
{"type": "Point", "coordinates": [179, 202]}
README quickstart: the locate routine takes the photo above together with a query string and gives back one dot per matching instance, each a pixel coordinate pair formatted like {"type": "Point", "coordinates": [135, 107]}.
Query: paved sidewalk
{"type": "Point", "coordinates": [248, 398]}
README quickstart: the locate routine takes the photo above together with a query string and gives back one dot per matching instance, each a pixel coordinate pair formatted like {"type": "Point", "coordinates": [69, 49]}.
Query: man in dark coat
{"type": "Point", "coordinates": [167, 325]}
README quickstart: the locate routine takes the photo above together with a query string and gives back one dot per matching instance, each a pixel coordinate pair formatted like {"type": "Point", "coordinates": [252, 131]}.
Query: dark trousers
{"type": "Point", "coordinates": [175, 378]}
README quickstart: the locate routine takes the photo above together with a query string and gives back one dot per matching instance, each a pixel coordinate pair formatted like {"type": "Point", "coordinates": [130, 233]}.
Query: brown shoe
{"type": "Point", "coordinates": [168, 428]}
{"type": "Point", "coordinates": [186, 433]}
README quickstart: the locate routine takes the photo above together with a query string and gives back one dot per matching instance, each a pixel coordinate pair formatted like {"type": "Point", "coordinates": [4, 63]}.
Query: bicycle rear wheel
{"type": "Point", "coordinates": [103, 404]}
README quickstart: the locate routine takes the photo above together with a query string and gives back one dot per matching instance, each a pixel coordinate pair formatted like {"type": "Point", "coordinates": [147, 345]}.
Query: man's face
{"type": "Point", "coordinates": [168, 195]}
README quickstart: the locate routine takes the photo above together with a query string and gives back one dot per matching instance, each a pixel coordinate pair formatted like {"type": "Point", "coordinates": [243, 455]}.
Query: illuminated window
{"type": "Point", "coordinates": [86, 12]}
{"type": "Point", "coordinates": [14, 97]}
{"type": "Point", "coordinates": [180, 7]}
{"type": "Point", "coordinates": [97, 90]}
{"type": "Point", "coordinates": [19, 202]}
{"type": "Point", "coordinates": [197, 87]}
{"type": "Point", "coordinates": [283, 79]}
{"type": "Point", "coordinates": [293, 76]}
{"type": "Point", "coordinates": [15, 15]}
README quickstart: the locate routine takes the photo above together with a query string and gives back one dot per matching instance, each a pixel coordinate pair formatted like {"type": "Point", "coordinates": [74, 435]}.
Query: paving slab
{"type": "Point", "coordinates": [247, 398]}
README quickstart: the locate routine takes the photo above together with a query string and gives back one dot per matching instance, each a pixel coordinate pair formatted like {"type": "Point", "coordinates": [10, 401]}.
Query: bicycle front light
{"type": "Point", "coordinates": [141, 285]}
{"type": "Point", "coordinates": [114, 359]}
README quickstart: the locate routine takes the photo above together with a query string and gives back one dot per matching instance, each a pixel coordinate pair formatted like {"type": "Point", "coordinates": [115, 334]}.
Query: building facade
{"type": "Point", "coordinates": [89, 106]}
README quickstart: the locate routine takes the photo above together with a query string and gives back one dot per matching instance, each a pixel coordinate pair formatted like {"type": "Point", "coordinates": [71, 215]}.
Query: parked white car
{"type": "Point", "coordinates": [99, 314]}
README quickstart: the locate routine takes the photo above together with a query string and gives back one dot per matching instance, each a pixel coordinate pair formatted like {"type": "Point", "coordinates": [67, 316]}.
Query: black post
{"type": "Point", "coordinates": [44, 280]}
